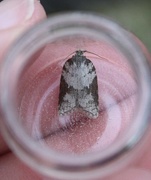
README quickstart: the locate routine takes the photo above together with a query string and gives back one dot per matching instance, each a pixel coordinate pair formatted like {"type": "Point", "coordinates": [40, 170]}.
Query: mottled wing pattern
{"type": "Point", "coordinates": [88, 97]}
{"type": "Point", "coordinates": [79, 87]}
{"type": "Point", "coordinates": [67, 99]}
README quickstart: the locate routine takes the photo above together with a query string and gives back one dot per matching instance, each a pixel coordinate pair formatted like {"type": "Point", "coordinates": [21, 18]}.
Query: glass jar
{"type": "Point", "coordinates": [75, 146]}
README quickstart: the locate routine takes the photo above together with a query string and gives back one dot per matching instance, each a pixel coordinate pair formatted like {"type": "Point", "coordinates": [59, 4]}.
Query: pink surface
{"type": "Point", "coordinates": [39, 100]}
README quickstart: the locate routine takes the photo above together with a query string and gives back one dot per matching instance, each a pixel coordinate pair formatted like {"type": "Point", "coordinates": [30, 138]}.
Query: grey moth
{"type": "Point", "coordinates": [79, 87]}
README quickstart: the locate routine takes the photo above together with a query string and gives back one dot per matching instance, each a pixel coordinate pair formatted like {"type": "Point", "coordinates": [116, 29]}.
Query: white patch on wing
{"type": "Point", "coordinates": [79, 77]}
{"type": "Point", "coordinates": [69, 102]}
{"type": "Point", "coordinates": [87, 104]}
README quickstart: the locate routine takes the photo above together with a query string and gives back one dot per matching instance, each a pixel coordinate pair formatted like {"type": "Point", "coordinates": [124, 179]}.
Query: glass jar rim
{"type": "Point", "coordinates": [25, 147]}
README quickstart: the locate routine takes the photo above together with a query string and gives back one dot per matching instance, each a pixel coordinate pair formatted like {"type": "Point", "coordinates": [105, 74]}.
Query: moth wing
{"type": "Point", "coordinates": [67, 99]}
{"type": "Point", "coordinates": [88, 97]}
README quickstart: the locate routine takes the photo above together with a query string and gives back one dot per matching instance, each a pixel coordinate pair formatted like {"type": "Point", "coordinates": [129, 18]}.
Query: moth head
{"type": "Point", "coordinates": [80, 52]}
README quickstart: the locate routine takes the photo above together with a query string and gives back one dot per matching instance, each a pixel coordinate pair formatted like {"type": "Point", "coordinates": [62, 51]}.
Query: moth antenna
{"type": "Point", "coordinates": [95, 54]}
{"type": "Point", "coordinates": [69, 55]}
{"type": "Point", "coordinates": [77, 51]}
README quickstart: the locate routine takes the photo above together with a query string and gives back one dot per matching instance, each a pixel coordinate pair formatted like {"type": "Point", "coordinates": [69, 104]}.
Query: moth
{"type": "Point", "coordinates": [79, 87]}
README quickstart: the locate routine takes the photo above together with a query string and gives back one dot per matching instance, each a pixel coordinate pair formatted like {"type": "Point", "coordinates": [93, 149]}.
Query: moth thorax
{"type": "Point", "coordinates": [79, 60]}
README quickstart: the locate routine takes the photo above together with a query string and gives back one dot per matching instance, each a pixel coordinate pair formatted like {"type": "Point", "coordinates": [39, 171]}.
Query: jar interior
{"type": "Point", "coordinates": [75, 133]}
